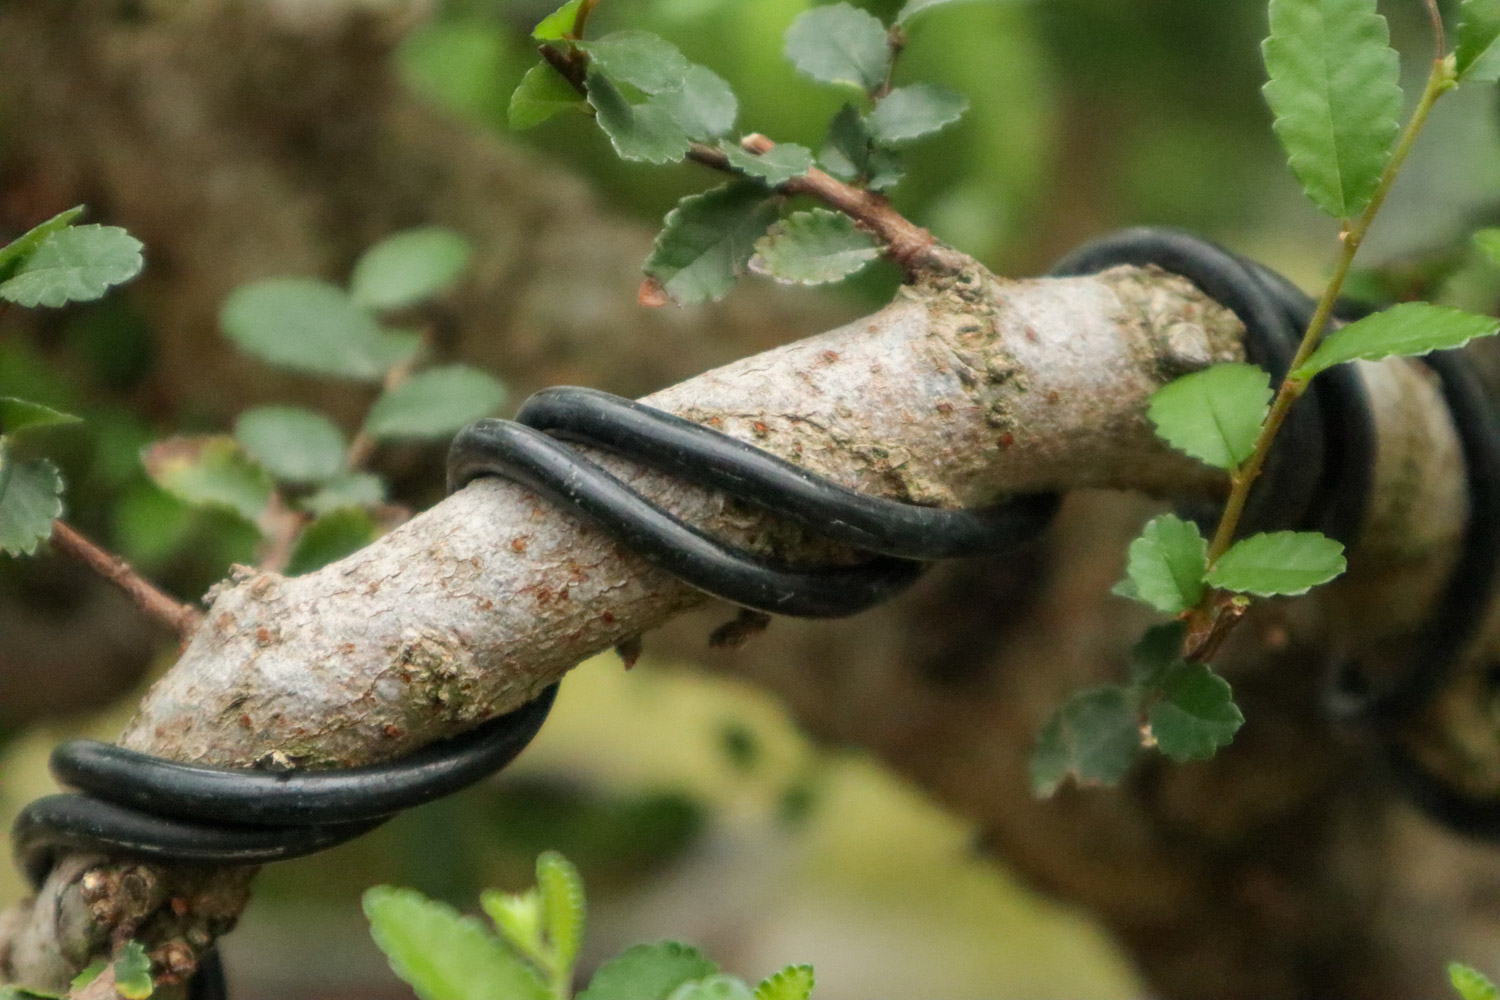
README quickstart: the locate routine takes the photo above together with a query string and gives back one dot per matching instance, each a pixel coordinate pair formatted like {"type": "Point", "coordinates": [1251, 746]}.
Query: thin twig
{"type": "Point", "coordinates": [181, 618]}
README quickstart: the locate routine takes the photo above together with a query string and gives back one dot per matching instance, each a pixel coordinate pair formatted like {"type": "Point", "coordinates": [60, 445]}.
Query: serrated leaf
{"type": "Point", "coordinates": [311, 326]}
{"type": "Point", "coordinates": [648, 972]}
{"type": "Point", "coordinates": [915, 7]}
{"type": "Point", "coordinates": [706, 241]}
{"type": "Point", "coordinates": [20, 414]}
{"type": "Point", "coordinates": [133, 972]}
{"type": "Point", "coordinates": [1471, 984]}
{"type": "Point", "coordinates": [645, 132]}
{"type": "Point", "coordinates": [795, 982]}
{"type": "Point", "coordinates": [443, 955]}
{"type": "Point", "coordinates": [13, 252]}
{"type": "Point", "coordinates": [434, 403]}
{"type": "Point", "coordinates": [209, 471]}
{"type": "Point", "coordinates": [563, 906]}
{"type": "Point", "coordinates": [846, 149]}
{"type": "Point", "coordinates": [1213, 415]}
{"type": "Point", "coordinates": [407, 267]}
{"type": "Point", "coordinates": [1195, 713]}
{"type": "Point", "coordinates": [908, 113]}
{"type": "Point", "coordinates": [294, 445]}
{"type": "Point", "coordinates": [885, 169]}
{"type": "Point", "coordinates": [1478, 32]}
{"type": "Point", "coordinates": [89, 973]}
{"type": "Point", "coordinates": [644, 60]}
{"type": "Point", "coordinates": [1334, 88]}
{"type": "Point", "coordinates": [1401, 331]}
{"type": "Point", "coordinates": [1488, 241]}
{"type": "Point", "coordinates": [1166, 565]}
{"type": "Point", "coordinates": [705, 105]}
{"type": "Point", "coordinates": [558, 24]}
{"type": "Point", "coordinates": [330, 538]}
{"type": "Point", "coordinates": [813, 247]}
{"type": "Point", "coordinates": [1159, 648]}
{"type": "Point", "coordinates": [1278, 563]}
{"type": "Point", "coordinates": [840, 44]}
{"type": "Point", "coordinates": [1094, 737]}
{"type": "Point", "coordinates": [716, 987]}
{"type": "Point", "coordinates": [541, 94]}
{"type": "Point", "coordinates": [518, 917]}
{"type": "Point", "coordinates": [352, 489]}
{"type": "Point", "coordinates": [777, 165]}
{"type": "Point", "coordinates": [74, 265]}
{"type": "Point", "coordinates": [30, 497]}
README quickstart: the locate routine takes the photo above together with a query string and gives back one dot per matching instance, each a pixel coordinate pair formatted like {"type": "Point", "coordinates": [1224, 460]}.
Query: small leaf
{"type": "Point", "coordinates": [915, 7]}
{"type": "Point", "coordinates": [777, 165]}
{"type": "Point", "coordinates": [1213, 415]}
{"type": "Point", "coordinates": [646, 61]}
{"type": "Point", "coordinates": [1400, 331]}
{"type": "Point", "coordinates": [19, 414]}
{"type": "Point", "coordinates": [13, 252]}
{"type": "Point", "coordinates": [645, 132]}
{"type": "Point", "coordinates": [30, 497]}
{"type": "Point", "coordinates": [1166, 565]}
{"type": "Point", "coordinates": [330, 538]}
{"type": "Point", "coordinates": [90, 973]}
{"type": "Point", "coordinates": [558, 24]}
{"type": "Point", "coordinates": [846, 150]}
{"type": "Point", "coordinates": [1471, 984]}
{"type": "Point", "coordinates": [704, 105]}
{"type": "Point", "coordinates": [407, 267]}
{"type": "Point", "coordinates": [74, 265]}
{"type": "Point", "coordinates": [1094, 737]}
{"type": "Point", "coordinates": [209, 471]}
{"type": "Point", "coordinates": [813, 247]}
{"type": "Point", "coordinates": [1278, 563]}
{"type": "Point", "coordinates": [434, 403]}
{"type": "Point", "coordinates": [908, 113]}
{"type": "Point", "coordinates": [541, 94]}
{"type": "Point", "coordinates": [354, 489]}
{"type": "Point", "coordinates": [1488, 241]}
{"type": "Point", "coordinates": [445, 956]}
{"type": "Point", "coordinates": [707, 240]}
{"type": "Point", "coordinates": [1334, 88]}
{"type": "Point", "coordinates": [1158, 649]}
{"type": "Point", "coordinates": [563, 906]}
{"type": "Point", "coordinates": [133, 972]}
{"type": "Point", "coordinates": [1195, 714]}
{"type": "Point", "coordinates": [795, 982]}
{"type": "Point", "coordinates": [518, 917]}
{"type": "Point", "coordinates": [884, 170]}
{"type": "Point", "coordinates": [840, 44]}
{"type": "Point", "coordinates": [1478, 33]}
{"type": "Point", "coordinates": [294, 445]}
{"type": "Point", "coordinates": [716, 987]}
{"type": "Point", "coordinates": [648, 972]}
{"type": "Point", "coordinates": [17, 993]}
{"type": "Point", "coordinates": [311, 326]}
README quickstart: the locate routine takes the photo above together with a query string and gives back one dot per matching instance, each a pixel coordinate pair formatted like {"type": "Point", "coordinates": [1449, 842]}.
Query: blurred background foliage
{"type": "Point", "coordinates": [690, 806]}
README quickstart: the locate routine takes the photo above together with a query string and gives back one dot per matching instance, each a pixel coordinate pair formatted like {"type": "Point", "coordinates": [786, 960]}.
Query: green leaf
{"type": "Point", "coordinates": [840, 44]}
{"type": "Point", "coordinates": [311, 326]}
{"type": "Point", "coordinates": [908, 113]}
{"type": "Point", "coordinates": [1213, 415]}
{"type": "Point", "coordinates": [434, 403]}
{"type": "Point", "coordinates": [1400, 331]}
{"type": "Point", "coordinates": [1279, 562]}
{"type": "Point", "coordinates": [74, 265]}
{"type": "Point", "coordinates": [846, 150]}
{"type": "Point", "coordinates": [795, 982]}
{"type": "Point", "coordinates": [884, 170]}
{"type": "Point", "coordinates": [13, 252]}
{"type": "Point", "coordinates": [638, 132]}
{"type": "Point", "coordinates": [1478, 33]}
{"type": "Point", "coordinates": [294, 445]}
{"type": "Point", "coordinates": [133, 972]}
{"type": "Point", "coordinates": [707, 240]}
{"type": "Point", "coordinates": [541, 94]}
{"type": "Point", "coordinates": [209, 471]}
{"type": "Point", "coordinates": [704, 105]}
{"type": "Point", "coordinates": [647, 62]}
{"type": "Point", "coordinates": [17, 993]}
{"type": "Point", "coordinates": [407, 267]}
{"type": "Point", "coordinates": [715, 987]}
{"type": "Point", "coordinates": [353, 489]}
{"type": "Point", "coordinates": [19, 414]}
{"type": "Point", "coordinates": [915, 7]}
{"type": "Point", "coordinates": [518, 917]}
{"type": "Point", "coordinates": [1488, 241]}
{"type": "Point", "coordinates": [1159, 648]}
{"type": "Point", "coordinates": [813, 247]}
{"type": "Point", "coordinates": [1471, 984]}
{"type": "Point", "coordinates": [648, 972]}
{"type": "Point", "coordinates": [1195, 714]}
{"type": "Point", "coordinates": [777, 165]}
{"type": "Point", "coordinates": [330, 538]}
{"type": "Point", "coordinates": [89, 973]}
{"type": "Point", "coordinates": [558, 24]}
{"type": "Point", "coordinates": [443, 955]}
{"type": "Point", "coordinates": [563, 906]}
{"type": "Point", "coordinates": [1166, 565]}
{"type": "Point", "coordinates": [30, 497]}
{"type": "Point", "coordinates": [1094, 737]}
{"type": "Point", "coordinates": [1334, 88]}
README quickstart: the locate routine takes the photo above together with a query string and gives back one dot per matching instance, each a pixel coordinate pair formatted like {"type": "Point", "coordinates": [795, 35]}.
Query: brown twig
{"type": "Point", "coordinates": [157, 604]}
